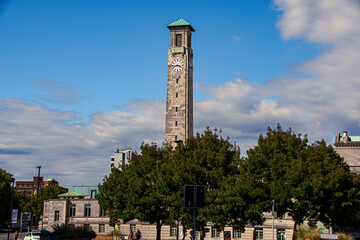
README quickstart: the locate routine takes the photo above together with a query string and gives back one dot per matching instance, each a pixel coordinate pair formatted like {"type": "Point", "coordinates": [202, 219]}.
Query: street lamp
{"type": "Point", "coordinates": [179, 143]}
{"type": "Point", "coordinates": [11, 180]}
{"type": "Point", "coordinates": [37, 197]}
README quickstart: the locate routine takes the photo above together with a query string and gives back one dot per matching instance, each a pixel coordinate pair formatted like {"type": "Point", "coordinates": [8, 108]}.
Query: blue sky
{"type": "Point", "coordinates": [79, 78]}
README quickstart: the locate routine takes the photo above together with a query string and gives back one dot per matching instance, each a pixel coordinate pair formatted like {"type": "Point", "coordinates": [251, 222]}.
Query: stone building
{"type": "Point", "coordinates": [349, 148]}
{"type": "Point", "coordinates": [78, 209]}
{"type": "Point", "coordinates": [179, 96]}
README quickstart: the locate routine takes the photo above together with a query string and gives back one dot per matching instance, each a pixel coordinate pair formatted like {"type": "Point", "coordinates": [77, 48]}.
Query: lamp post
{"type": "Point", "coordinates": [37, 197]}
{"type": "Point", "coordinates": [179, 143]}
{"type": "Point", "coordinates": [11, 180]}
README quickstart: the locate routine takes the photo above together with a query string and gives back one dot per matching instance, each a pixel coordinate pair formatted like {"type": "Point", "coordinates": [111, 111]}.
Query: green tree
{"type": "Point", "coordinates": [207, 159]}
{"type": "Point", "coordinates": [5, 196]}
{"type": "Point", "coordinates": [49, 192]}
{"type": "Point", "coordinates": [307, 181]}
{"type": "Point", "coordinates": [151, 187]}
{"type": "Point", "coordinates": [143, 190]}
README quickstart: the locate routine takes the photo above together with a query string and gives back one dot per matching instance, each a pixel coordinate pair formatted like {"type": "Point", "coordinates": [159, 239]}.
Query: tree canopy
{"type": "Point", "coordinates": [5, 196]}
{"type": "Point", "coordinates": [308, 181]}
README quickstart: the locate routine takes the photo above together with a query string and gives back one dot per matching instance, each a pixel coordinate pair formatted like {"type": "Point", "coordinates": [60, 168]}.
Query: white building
{"type": "Point", "coordinates": [120, 157]}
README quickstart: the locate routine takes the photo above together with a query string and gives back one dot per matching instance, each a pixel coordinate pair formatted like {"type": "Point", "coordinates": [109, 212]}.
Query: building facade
{"type": "Point", "coordinates": [348, 147]}
{"type": "Point", "coordinates": [29, 188]}
{"type": "Point", "coordinates": [120, 157]}
{"type": "Point", "coordinates": [179, 96]}
{"type": "Point", "coordinates": [78, 209]}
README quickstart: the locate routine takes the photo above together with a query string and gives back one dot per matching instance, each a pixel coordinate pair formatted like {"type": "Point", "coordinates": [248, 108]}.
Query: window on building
{"type": "Point", "coordinates": [133, 228]}
{"type": "Point", "coordinates": [176, 123]}
{"type": "Point", "coordinates": [25, 185]}
{"type": "Point", "coordinates": [101, 228]}
{"type": "Point", "coordinates": [215, 232]}
{"type": "Point", "coordinates": [93, 193]}
{"type": "Point", "coordinates": [259, 233]}
{"type": "Point", "coordinates": [177, 81]}
{"type": "Point", "coordinates": [57, 216]}
{"type": "Point", "coordinates": [178, 40]}
{"type": "Point", "coordinates": [175, 138]}
{"type": "Point", "coordinates": [102, 212]}
{"type": "Point", "coordinates": [236, 233]}
{"type": "Point", "coordinates": [176, 109]}
{"type": "Point", "coordinates": [112, 164]}
{"type": "Point", "coordinates": [281, 234]}
{"type": "Point", "coordinates": [123, 159]}
{"type": "Point", "coordinates": [173, 231]}
{"type": "Point", "coordinates": [72, 210]}
{"type": "Point", "coordinates": [176, 94]}
{"type": "Point", "coordinates": [87, 210]}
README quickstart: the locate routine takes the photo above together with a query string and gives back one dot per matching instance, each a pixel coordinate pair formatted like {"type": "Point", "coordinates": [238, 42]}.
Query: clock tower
{"type": "Point", "coordinates": [179, 96]}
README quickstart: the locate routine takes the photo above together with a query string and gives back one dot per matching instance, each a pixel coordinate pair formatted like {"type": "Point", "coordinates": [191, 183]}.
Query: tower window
{"type": "Point", "coordinates": [176, 109]}
{"type": "Point", "coordinates": [178, 40]}
{"type": "Point", "coordinates": [176, 123]}
{"type": "Point", "coordinates": [177, 81]}
{"type": "Point", "coordinates": [176, 95]}
{"type": "Point", "coordinates": [175, 138]}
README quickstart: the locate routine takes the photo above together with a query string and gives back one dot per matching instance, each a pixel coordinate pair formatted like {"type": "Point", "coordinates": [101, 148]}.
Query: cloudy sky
{"type": "Point", "coordinates": [80, 78]}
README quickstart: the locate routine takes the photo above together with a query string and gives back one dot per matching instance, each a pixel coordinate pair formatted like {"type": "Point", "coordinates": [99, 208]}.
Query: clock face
{"type": "Point", "coordinates": [177, 65]}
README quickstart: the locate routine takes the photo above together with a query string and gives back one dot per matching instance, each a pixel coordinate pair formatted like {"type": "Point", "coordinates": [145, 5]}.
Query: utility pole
{"type": "Point", "coordinates": [11, 180]}
{"type": "Point", "coordinates": [37, 197]}
{"type": "Point", "coordinates": [179, 143]}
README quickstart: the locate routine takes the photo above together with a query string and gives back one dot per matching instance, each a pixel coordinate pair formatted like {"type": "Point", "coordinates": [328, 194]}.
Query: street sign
{"type": "Point", "coordinates": [328, 236]}
{"type": "Point", "coordinates": [227, 235]}
{"type": "Point", "coordinates": [14, 215]}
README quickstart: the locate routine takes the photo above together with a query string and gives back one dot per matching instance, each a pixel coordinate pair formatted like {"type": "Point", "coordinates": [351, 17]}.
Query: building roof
{"type": "Point", "coordinates": [50, 180]}
{"type": "Point", "coordinates": [70, 194]}
{"type": "Point", "coordinates": [180, 23]}
{"type": "Point", "coordinates": [85, 190]}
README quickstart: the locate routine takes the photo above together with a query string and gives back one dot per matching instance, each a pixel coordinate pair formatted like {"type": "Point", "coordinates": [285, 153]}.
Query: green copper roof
{"type": "Point", "coordinates": [70, 194]}
{"type": "Point", "coordinates": [355, 138]}
{"type": "Point", "coordinates": [179, 23]}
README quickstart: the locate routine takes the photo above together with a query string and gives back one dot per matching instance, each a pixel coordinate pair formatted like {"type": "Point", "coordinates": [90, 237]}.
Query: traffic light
{"type": "Point", "coordinates": [200, 196]}
{"type": "Point", "coordinates": [194, 196]}
{"type": "Point", "coordinates": [189, 196]}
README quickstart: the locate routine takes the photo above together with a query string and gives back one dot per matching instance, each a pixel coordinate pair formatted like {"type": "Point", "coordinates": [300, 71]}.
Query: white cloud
{"type": "Point", "coordinates": [72, 153]}
{"type": "Point", "coordinates": [319, 105]}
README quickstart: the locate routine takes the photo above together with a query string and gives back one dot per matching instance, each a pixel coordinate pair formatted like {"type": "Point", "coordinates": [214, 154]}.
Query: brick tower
{"type": "Point", "coordinates": [179, 97]}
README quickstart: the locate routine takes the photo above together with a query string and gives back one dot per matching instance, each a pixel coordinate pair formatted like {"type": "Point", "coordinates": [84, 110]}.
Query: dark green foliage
{"type": "Point", "coordinates": [5, 196]}
{"type": "Point", "coordinates": [151, 187]}
{"type": "Point", "coordinates": [46, 193]}
{"type": "Point", "coordinates": [70, 231]}
{"type": "Point", "coordinates": [308, 181]}
{"type": "Point", "coordinates": [143, 190]}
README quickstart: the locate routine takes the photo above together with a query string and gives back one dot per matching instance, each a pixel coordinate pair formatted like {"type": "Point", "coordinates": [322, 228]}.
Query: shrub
{"type": "Point", "coordinates": [307, 233]}
{"type": "Point", "coordinates": [70, 231]}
